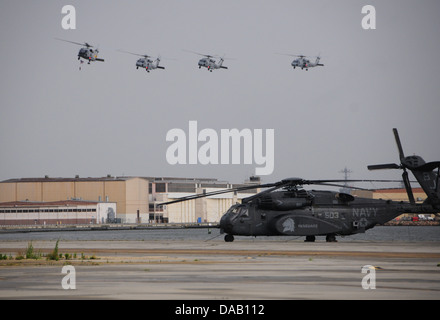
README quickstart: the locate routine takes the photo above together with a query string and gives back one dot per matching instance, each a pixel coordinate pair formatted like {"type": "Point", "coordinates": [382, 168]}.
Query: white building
{"type": "Point", "coordinates": [206, 209]}
{"type": "Point", "coordinates": [56, 212]}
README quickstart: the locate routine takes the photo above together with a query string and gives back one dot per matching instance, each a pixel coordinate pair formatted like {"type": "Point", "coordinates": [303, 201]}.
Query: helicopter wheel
{"type": "Point", "coordinates": [229, 238]}
{"type": "Point", "coordinates": [331, 238]}
{"type": "Point", "coordinates": [310, 239]}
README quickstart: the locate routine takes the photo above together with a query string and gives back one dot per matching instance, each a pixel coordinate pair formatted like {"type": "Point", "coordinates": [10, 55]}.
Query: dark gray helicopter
{"type": "Point", "coordinates": [287, 209]}
{"type": "Point", "coordinates": [87, 53]}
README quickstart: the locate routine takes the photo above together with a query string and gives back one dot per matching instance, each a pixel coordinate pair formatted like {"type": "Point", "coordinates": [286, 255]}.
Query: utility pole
{"type": "Point", "coordinates": [346, 187]}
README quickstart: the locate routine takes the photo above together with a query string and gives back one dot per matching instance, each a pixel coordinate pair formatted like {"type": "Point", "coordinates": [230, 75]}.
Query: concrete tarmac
{"type": "Point", "coordinates": [245, 269]}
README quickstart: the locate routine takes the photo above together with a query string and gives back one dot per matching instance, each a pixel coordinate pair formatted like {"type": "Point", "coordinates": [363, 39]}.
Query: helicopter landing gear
{"type": "Point", "coordinates": [331, 238]}
{"type": "Point", "coordinates": [310, 239]}
{"type": "Point", "coordinates": [229, 238]}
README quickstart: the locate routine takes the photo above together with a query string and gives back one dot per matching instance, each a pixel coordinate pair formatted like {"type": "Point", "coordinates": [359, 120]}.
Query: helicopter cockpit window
{"type": "Point", "coordinates": [244, 212]}
{"type": "Point", "coordinates": [239, 211]}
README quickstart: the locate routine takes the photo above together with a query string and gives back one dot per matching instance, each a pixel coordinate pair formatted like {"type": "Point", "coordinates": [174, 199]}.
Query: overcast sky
{"type": "Point", "coordinates": [110, 118]}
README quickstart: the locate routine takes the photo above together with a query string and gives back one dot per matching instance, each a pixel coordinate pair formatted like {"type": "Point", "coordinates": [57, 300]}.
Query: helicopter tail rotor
{"type": "Point", "coordinates": [426, 173]}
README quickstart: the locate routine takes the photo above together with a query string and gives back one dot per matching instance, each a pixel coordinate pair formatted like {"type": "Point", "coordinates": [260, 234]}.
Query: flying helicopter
{"type": "Point", "coordinates": [209, 63]}
{"type": "Point", "coordinates": [285, 208]}
{"type": "Point", "coordinates": [87, 53]}
{"type": "Point", "coordinates": [145, 62]}
{"type": "Point", "coordinates": [302, 62]}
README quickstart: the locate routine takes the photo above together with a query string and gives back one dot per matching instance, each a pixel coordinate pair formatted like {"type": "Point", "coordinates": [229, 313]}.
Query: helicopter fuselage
{"type": "Point", "coordinates": [148, 64]}
{"type": "Point", "coordinates": [89, 54]}
{"type": "Point", "coordinates": [211, 64]}
{"type": "Point", "coordinates": [305, 63]}
{"type": "Point", "coordinates": [302, 63]}
{"type": "Point", "coordinates": [316, 213]}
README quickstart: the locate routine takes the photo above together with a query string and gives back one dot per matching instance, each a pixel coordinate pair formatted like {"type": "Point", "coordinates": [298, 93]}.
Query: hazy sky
{"type": "Point", "coordinates": [110, 118]}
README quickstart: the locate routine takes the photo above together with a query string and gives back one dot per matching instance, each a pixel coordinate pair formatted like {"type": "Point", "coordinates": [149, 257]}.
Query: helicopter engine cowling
{"type": "Point", "coordinates": [283, 201]}
{"type": "Point", "coordinates": [282, 204]}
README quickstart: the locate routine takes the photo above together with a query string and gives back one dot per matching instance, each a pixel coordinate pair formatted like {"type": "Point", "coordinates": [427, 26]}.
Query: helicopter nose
{"type": "Point", "coordinates": [226, 223]}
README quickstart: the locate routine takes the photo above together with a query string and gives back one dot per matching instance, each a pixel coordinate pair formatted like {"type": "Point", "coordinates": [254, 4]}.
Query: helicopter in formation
{"type": "Point", "coordinates": [304, 63]}
{"type": "Point", "coordinates": [209, 62]}
{"type": "Point", "coordinates": [285, 208]}
{"type": "Point", "coordinates": [87, 52]}
{"type": "Point", "coordinates": [145, 62]}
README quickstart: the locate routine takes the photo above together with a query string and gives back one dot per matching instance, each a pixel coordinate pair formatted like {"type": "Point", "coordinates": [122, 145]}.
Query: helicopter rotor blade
{"type": "Point", "coordinates": [334, 183]}
{"type": "Point", "coordinates": [298, 181]}
{"type": "Point", "coordinates": [408, 186]}
{"type": "Point", "coordinates": [292, 182]}
{"type": "Point", "coordinates": [399, 145]}
{"type": "Point", "coordinates": [212, 193]}
{"type": "Point", "coordinates": [384, 166]}
{"type": "Point", "coordinates": [135, 54]}
{"type": "Point", "coordinates": [78, 43]}
{"type": "Point", "coordinates": [291, 55]}
{"type": "Point", "coordinates": [341, 186]}
{"type": "Point", "coordinates": [200, 54]}
{"type": "Point", "coordinates": [285, 54]}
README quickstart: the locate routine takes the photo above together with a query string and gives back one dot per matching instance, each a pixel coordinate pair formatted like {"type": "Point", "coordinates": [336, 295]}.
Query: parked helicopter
{"type": "Point", "coordinates": [209, 63]}
{"type": "Point", "coordinates": [87, 53]}
{"type": "Point", "coordinates": [304, 63]}
{"type": "Point", "coordinates": [285, 208]}
{"type": "Point", "coordinates": [145, 62]}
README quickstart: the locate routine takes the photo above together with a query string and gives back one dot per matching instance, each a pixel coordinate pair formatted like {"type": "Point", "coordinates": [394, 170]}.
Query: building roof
{"type": "Point", "coordinates": [183, 180]}
{"type": "Point", "coordinates": [67, 203]}
{"type": "Point", "coordinates": [60, 179]}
